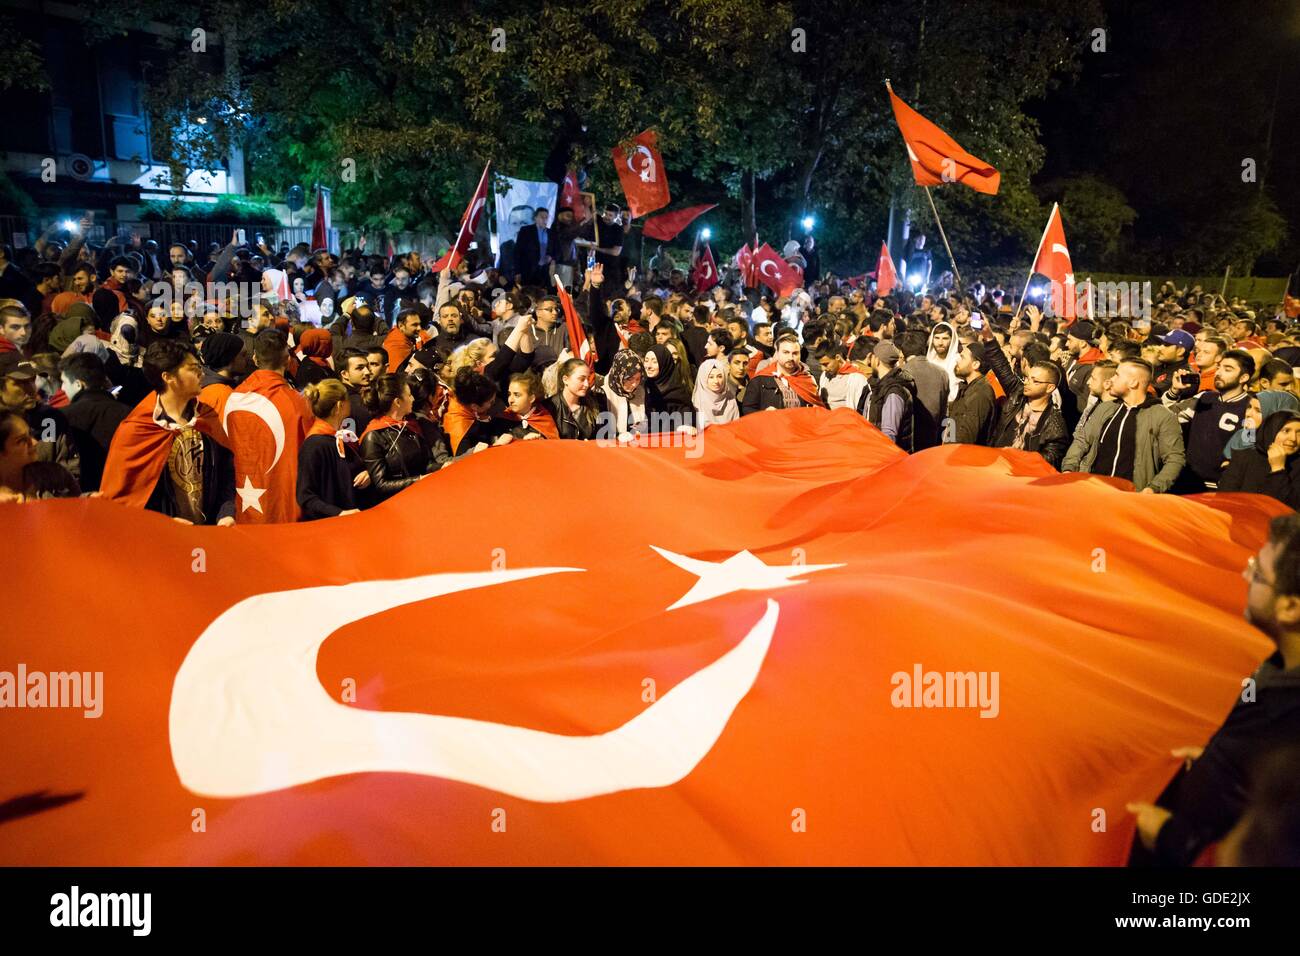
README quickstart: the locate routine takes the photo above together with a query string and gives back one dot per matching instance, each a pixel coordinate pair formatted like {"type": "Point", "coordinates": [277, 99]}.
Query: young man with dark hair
{"type": "Point", "coordinates": [842, 383]}
{"type": "Point", "coordinates": [891, 403]}
{"type": "Point", "coordinates": [974, 411]}
{"type": "Point", "coordinates": [165, 455]}
{"type": "Point", "coordinates": [1028, 421]}
{"type": "Point", "coordinates": [355, 373]}
{"type": "Point", "coordinates": [781, 382]}
{"type": "Point", "coordinates": [15, 329]}
{"type": "Point", "coordinates": [93, 414]}
{"type": "Point", "coordinates": [932, 387]}
{"type": "Point", "coordinates": [1133, 437]}
{"type": "Point", "coordinates": [377, 359]}
{"type": "Point", "coordinates": [1205, 801]}
{"type": "Point", "coordinates": [1081, 344]}
{"type": "Point", "coordinates": [1211, 418]}
{"type": "Point", "coordinates": [1275, 376]}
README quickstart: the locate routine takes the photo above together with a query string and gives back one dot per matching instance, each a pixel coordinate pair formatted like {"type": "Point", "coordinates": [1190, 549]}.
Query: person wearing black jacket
{"type": "Point", "coordinates": [92, 414]}
{"type": "Point", "coordinates": [393, 450]}
{"type": "Point", "coordinates": [1029, 421]}
{"type": "Point", "coordinates": [329, 464]}
{"type": "Point", "coordinates": [578, 409]}
{"type": "Point", "coordinates": [1203, 803]}
{"type": "Point", "coordinates": [1270, 466]}
{"type": "Point", "coordinates": [536, 247]}
{"type": "Point", "coordinates": [604, 331]}
{"type": "Point", "coordinates": [661, 376]}
{"type": "Point", "coordinates": [974, 412]}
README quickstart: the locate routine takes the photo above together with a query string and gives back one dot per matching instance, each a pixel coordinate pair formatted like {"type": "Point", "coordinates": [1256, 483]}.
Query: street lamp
{"type": "Point", "coordinates": [807, 223]}
{"type": "Point", "coordinates": [705, 233]}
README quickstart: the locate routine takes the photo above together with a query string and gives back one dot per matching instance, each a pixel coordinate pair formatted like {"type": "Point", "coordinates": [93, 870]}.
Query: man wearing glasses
{"type": "Point", "coordinates": [1029, 421]}
{"type": "Point", "coordinates": [1208, 798]}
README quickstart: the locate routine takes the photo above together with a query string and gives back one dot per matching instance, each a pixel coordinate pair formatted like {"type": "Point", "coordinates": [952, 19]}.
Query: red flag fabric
{"type": "Point", "coordinates": [744, 261]}
{"type": "Point", "coordinates": [705, 274]}
{"type": "Point", "coordinates": [579, 344]}
{"type": "Point", "coordinates": [468, 226]}
{"type": "Point", "coordinates": [936, 157]}
{"type": "Point", "coordinates": [571, 196]}
{"type": "Point", "coordinates": [1053, 262]}
{"type": "Point", "coordinates": [265, 441]}
{"type": "Point", "coordinates": [886, 275]}
{"type": "Point", "coordinates": [774, 272]}
{"type": "Point", "coordinates": [668, 225]}
{"type": "Point", "coordinates": [139, 450]}
{"type": "Point", "coordinates": [231, 690]}
{"type": "Point", "coordinates": [320, 227]}
{"type": "Point", "coordinates": [641, 171]}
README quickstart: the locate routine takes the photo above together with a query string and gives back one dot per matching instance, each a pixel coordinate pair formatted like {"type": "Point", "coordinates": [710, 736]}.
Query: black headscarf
{"type": "Point", "coordinates": [667, 383]}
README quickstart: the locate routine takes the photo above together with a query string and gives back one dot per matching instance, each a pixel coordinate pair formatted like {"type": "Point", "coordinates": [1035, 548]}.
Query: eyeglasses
{"type": "Point", "coordinates": [1251, 572]}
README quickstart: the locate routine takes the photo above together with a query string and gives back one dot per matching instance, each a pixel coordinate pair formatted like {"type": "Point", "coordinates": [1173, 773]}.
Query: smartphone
{"type": "Point", "coordinates": [239, 237]}
{"type": "Point", "coordinates": [591, 259]}
{"type": "Point", "coordinates": [976, 321]}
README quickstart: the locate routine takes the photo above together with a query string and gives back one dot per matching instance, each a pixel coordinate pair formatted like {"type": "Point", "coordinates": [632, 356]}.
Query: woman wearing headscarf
{"type": "Point", "coordinates": [1270, 466]}
{"type": "Point", "coordinates": [660, 366]}
{"type": "Point", "coordinates": [314, 349]}
{"type": "Point", "coordinates": [630, 402]}
{"type": "Point", "coordinates": [1262, 404]}
{"type": "Point", "coordinates": [714, 402]}
{"type": "Point", "coordinates": [948, 359]}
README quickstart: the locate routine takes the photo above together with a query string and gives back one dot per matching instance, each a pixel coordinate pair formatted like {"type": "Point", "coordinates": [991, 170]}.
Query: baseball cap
{"type": "Point", "coordinates": [1083, 329]}
{"type": "Point", "coordinates": [887, 352]}
{"type": "Point", "coordinates": [13, 365]}
{"type": "Point", "coordinates": [1180, 338]}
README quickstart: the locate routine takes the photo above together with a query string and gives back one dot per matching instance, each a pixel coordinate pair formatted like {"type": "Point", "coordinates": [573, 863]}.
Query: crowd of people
{"type": "Point", "coordinates": [120, 368]}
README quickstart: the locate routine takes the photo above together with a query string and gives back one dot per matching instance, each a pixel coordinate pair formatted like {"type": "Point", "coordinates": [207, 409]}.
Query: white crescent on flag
{"type": "Point", "coordinates": [1057, 247]}
{"type": "Point", "coordinates": [263, 408]}
{"type": "Point", "coordinates": [763, 268]}
{"type": "Point", "coordinates": [647, 172]}
{"type": "Point", "coordinates": [248, 714]}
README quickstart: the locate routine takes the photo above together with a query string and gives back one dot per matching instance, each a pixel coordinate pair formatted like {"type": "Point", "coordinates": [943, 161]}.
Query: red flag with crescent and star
{"type": "Point", "coordinates": [704, 275]}
{"type": "Point", "coordinates": [640, 169]}
{"type": "Point", "coordinates": [774, 272]}
{"type": "Point", "coordinates": [886, 275]}
{"type": "Point", "coordinates": [744, 261]}
{"type": "Point", "coordinates": [1053, 262]}
{"type": "Point", "coordinates": [571, 196]}
{"type": "Point", "coordinates": [936, 157]}
{"type": "Point", "coordinates": [267, 420]}
{"type": "Point", "coordinates": [468, 226]}
{"type": "Point", "coordinates": [666, 698]}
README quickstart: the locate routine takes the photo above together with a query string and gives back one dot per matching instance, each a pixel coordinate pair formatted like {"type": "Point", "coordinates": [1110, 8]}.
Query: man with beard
{"type": "Point", "coordinates": [781, 382]}
{"type": "Point", "coordinates": [1207, 799]}
{"type": "Point", "coordinates": [891, 403]}
{"type": "Point", "coordinates": [1210, 418]}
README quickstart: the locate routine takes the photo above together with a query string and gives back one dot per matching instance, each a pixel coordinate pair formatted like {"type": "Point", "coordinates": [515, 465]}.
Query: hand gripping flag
{"type": "Point", "coordinates": [886, 275]}
{"type": "Point", "coordinates": [640, 169]}
{"type": "Point", "coordinates": [704, 276]}
{"type": "Point", "coordinates": [468, 226]}
{"type": "Point", "coordinates": [480, 688]}
{"type": "Point", "coordinates": [667, 225]}
{"type": "Point", "coordinates": [579, 344]}
{"type": "Point", "coordinates": [1053, 262]}
{"type": "Point", "coordinates": [936, 157]}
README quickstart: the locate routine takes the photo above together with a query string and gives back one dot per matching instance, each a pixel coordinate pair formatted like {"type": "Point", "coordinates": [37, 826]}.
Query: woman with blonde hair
{"type": "Point", "coordinates": [329, 459]}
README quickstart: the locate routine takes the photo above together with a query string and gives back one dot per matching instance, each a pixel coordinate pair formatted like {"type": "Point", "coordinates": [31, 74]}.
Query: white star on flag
{"type": "Point", "coordinates": [250, 497]}
{"type": "Point", "coordinates": [740, 572]}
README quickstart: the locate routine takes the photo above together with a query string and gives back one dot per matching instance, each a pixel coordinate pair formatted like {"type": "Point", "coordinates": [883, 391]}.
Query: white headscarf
{"type": "Point", "coordinates": [949, 362]}
{"type": "Point", "coordinates": [713, 407]}
{"type": "Point", "coordinates": [128, 352]}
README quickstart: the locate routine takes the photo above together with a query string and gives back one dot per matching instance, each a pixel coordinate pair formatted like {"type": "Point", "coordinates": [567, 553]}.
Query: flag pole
{"type": "Point", "coordinates": [1224, 291]}
{"type": "Point", "coordinates": [944, 237]}
{"type": "Point", "coordinates": [1034, 261]}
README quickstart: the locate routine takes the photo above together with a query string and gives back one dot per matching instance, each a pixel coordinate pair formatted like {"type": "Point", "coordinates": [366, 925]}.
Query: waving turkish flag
{"type": "Point", "coordinates": [468, 226]}
{"type": "Point", "coordinates": [641, 171]}
{"type": "Point", "coordinates": [705, 274]}
{"type": "Point", "coordinates": [581, 346]}
{"type": "Point", "coordinates": [886, 275]}
{"type": "Point", "coordinates": [744, 261]}
{"type": "Point", "coordinates": [267, 421]}
{"type": "Point", "coordinates": [668, 225]}
{"type": "Point", "coordinates": [774, 272]}
{"type": "Point", "coordinates": [571, 196]}
{"type": "Point", "coordinates": [305, 694]}
{"type": "Point", "coordinates": [1053, 261]}
{"type": "Point", "coordinates": [936, 157]}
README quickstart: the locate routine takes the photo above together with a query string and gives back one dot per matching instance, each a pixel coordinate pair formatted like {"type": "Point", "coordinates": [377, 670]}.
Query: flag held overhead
{"type": "Point", "coordinates": [936, 157]}
{"type": "Point", "coordinates": [668, 225]}
{"type": "Point", "coordinates": [640, 169]}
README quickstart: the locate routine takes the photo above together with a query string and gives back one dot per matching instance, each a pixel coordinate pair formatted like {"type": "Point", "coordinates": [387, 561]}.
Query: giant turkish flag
{"type": "Point", "coordinates": [670, 689]}
{"type": "Point", "coordinates": [641, 171]}
{"type": "Point", "coordinates": [267, 421]}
